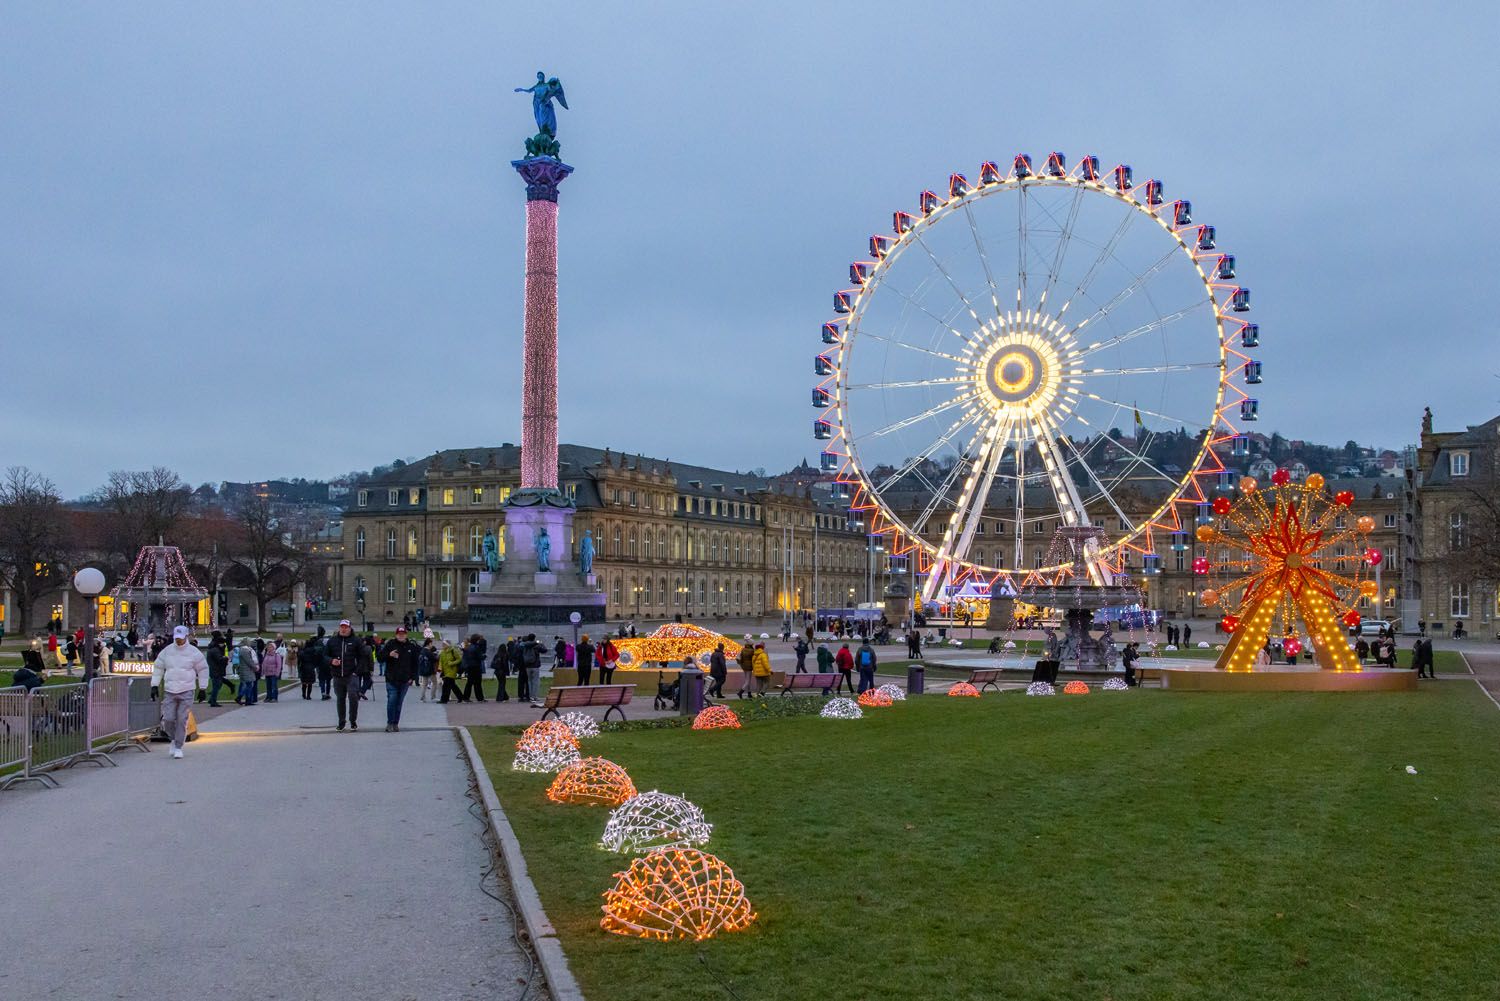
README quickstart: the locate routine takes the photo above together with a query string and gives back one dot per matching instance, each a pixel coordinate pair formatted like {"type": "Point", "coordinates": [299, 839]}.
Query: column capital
{"type": "Point", "coordinates": [542, 175]}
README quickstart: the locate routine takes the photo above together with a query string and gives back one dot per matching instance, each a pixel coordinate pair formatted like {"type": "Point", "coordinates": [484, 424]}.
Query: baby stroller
{"type": "Point", "coordinates": [667, 696]}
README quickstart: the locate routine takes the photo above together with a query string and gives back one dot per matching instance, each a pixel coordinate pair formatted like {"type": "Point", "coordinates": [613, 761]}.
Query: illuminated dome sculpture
{"type": "Point", "coordinates": [716, 718]}
{"type": "Point", "coordinates": [1114, 685]}
{"type": "Point", "coordinates": [675, 894]}
{"type": "Point", "coordinates": [581, 725]}
{"type": "Point", "coordinates": [654, 820]}
{"type": "Point", "coordinates": [544, 756]}
{"type": "Point", "coordinates": [592, 782]}
{"type": "Point", "coordinates": [673, 643]}
{"type": "Point", "coordinates": [1286, 554]}
{"type": "Point", "coordinates": [963, 690]}
{"type": "Point", "coordinates": [873, 698]}
{"type": "Point", "coordinates": [1076, 687]}
{"type": "Point", "coordinates": [841, 709]}
{"type": "Point", "coordinates": [544, 731]}
{"type": "Point", "coordinates": [980, 357]}
{"type": "Point", "coordinates": [893, 692]}
{"type": "Point", "coordinates": [1040, 688]}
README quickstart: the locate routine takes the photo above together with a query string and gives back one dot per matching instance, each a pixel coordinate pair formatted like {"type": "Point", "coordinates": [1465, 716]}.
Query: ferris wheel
{"type": "Point", "coordinates": [1046, 346]}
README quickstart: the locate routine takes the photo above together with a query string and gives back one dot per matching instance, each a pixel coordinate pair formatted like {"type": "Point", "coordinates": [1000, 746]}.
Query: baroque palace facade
{"type": "Point", "coordinates": [669, 539]}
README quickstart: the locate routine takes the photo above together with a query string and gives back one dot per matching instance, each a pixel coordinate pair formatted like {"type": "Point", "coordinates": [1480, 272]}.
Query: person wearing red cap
{"type": "Point", "coordinates": [399, 655]}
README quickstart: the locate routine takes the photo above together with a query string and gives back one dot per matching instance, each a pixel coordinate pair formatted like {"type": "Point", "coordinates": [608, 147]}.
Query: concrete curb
{"type": "Point", "coordinates": [544, 939]}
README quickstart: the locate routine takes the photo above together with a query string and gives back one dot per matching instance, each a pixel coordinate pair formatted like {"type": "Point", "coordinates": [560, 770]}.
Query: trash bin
{"type": "Point", "coordinates": [690, 693]}
{"type": "Point", "coordinates": [942, 632]}
{"type": "Point", "coordinates": [916, 682]}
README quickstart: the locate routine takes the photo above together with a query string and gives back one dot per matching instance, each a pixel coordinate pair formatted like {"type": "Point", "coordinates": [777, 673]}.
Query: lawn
{"type": "Point", "coordinates": [1125, 846]}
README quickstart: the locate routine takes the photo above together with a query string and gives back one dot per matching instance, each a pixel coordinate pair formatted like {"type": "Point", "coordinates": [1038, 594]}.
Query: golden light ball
{"type": "Point", "coordinates": [1314, 481]}
{"type": "Point", "coordinates": [1248, 484]}
{"type": "Point", "coordinates": [1365, 523]}
{"type": "Point", "coordinates": [1206, 533]}
{"type": "Point", "coordinates": [1209, 597]}
{"type": "Point", "coordinates": [1369, 588]}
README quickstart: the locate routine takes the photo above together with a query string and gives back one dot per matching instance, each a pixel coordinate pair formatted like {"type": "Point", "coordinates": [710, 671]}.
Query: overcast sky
{"type": "Point", "coordinates": [282, 239]}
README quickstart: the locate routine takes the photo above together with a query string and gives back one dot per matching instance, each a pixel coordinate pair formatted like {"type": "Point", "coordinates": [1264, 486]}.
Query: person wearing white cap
{"type": "Point", "coordinates": [181, 670]}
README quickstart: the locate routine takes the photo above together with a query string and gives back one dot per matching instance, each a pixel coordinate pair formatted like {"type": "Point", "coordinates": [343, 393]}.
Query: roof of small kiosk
{"type": "Point", "coordinates": [160, 571]}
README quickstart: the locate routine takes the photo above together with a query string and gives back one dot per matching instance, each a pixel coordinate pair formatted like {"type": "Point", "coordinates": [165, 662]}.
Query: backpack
{"type": "Point", "coordinates": [530, 657]}
{"type": "Point", "coordinates": [866, 658]}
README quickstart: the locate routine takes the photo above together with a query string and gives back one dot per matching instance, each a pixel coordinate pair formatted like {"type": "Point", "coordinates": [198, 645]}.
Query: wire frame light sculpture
{"type": "Point", "coordinates": [1114, 685]}
{"type": "Point", "coordinates": [679, 893]}
{"type": "Point", "coordinates": [716, 718]}
{"type": "Point", "coordinates": [592, 782]}
{"type": "Point", "coordinates": [893, 692]}
{"type": "Point", "coordinates": [873, 698]}
{"type": "Point", "coordinates": [1040, 688]}
{"type": "Point", "coordinates": [963, 690]}
{"type": "Point", "coordinates": [1076, 687]}
{"type": "Point", "coordinates": [841, 708]}
{"type": "Point", "coordinates": [544, 756]}
{"type": "Point", "coordinates": [654, 820]}
{"type": "Point", "coordinates": [581, 725]}
{"type": "Point", "coordinates": [547, 729]}
{"type": "Point", "coordinates": [1286, 554]}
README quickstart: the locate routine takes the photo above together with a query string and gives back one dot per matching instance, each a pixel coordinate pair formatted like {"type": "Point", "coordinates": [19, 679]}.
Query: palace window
{"type": "Point", "coordinates": [359, 544]}
{"type": "Point", "coordinates": [646, 591]}
{"type": "Point", "coordinates": [1390, 521]}
{"type": "Point", "coordinates": [1458, 464]}
{"type": "Point", "coordinates": [473, 577]}
{"type": "Point", "coordinates": [1458, 601]}
{"type": "Point", "coordinates": [447, 496]}
{"type": "Point", "coordinates": [411, 543]}
{"type": "Point", "coordinates": [615, 549]}
{"type": "Point", "coordinates": [476, 541]}
{"type": "Point", "coordinates": [414, 496]}
{"type": "Point", "coordinates": [449, 546]}
{"type": "Point", "coordinates": [476, 495]}
{"type": "Point", "coordinates": [631, 552]}
{"type": "Point", "coordinates": [661, 543]}
{"type": "Point", "coordinates": [1458, 530]}
{"type": "Point", "coordinates": [445, 588]}
{"type": "Point", "coordinates": [390, 589]}
{"type": "Point", "coordinates": [390, 542]}
{"type": "Point", "coordinates": [363, 498]}
{"type": "Point", "coordinates": [505, 492]}
{"type": "Point", "coordinates": [411, 589]}
{"type": "Point", "coordinates": [393, 497]}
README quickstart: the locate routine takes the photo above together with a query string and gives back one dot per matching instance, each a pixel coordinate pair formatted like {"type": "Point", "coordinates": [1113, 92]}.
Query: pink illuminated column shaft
{"type": "Point", "coordinates": [539, 362]}
{"type": "Point", "coordinates": [542, 175]}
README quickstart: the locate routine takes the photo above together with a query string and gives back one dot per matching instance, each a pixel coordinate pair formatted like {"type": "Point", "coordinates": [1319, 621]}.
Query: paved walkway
{"type": "Point", "coordinates": [316, 865]}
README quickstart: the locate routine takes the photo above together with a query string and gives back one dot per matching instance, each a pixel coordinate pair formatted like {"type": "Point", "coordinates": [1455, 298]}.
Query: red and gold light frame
{"type": "Point", "coordinates": [1179, 508]}
{"type": "Point", "coordinates": [1285, 555]}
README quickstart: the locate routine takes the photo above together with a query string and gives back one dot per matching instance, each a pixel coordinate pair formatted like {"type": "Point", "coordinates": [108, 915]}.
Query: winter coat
{"type": "Point", "coordinates": [746, 658]}
{"type": "Point", "coordinates": [351, 652]}
{"type": "Point", "coordinates": [864, 657]}
{"type": "Point", "coordinates": [500, 663]}
{"type": "Point", "coordinates": [247, 666]}
{"type": "Point", "coordinates": [473, 659]}
{"type": "Point", "coordinates": [718, 667]}
{"type": "Point", "coordinates": [844, 659]}
{"type": "Point", "coordinates": [825, 660]}
{"type": "Point", "coordinates": [761, 665]}
{"type": "Point", "coordinates": [448, 662]}
{"type": "Point", "coordinates": [400, 660]}
{"type": "Point", "coordinates": [270, 661]}
{"type": "Point", "coordinates": [218, 661]}
{"type": "Point", "coordinates": [180, 669]}
{"type": "Point", "coordinates": [583, 655]}
{"type": "Point", "coordinates": [311, 661]}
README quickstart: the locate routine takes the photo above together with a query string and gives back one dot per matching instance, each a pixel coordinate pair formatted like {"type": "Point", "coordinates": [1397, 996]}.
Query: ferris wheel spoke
{"type": "Point", "coordinates": [940, 493]}
{"type": "Point", "coordinates": [1138, 409]}
{"type": "Point", "coordinates": [1082, 461]}
{"type": "Point", "coordinates": [1065, 237]}
{"type": "Point", "coordinates": [1129, 290]}
{"type": "Point", "coordinates": [984, 259]}
{"type": "Point", "coordinates": [1145, 328]}
{"type": "Point", "coordinates": [909, 347]}
{"type": "Point", "coordinates": [1105, 253]}
{"type": "Point", "coordinates": [929, 313]}
{"type": "Point", "coordinates": [970, 508]}
{"type": "Point", "coordinates": [909, 383]}
{"type": "Point", "coordinates": [1021, 251]}
{"type": "Point", "coordinates": [1150, 369]}
{"type": "Point", "coordinates": [1137, 456]}
{"type": "Point", "coordinates": [910, 464]}
{"type": "Point", "coordinates": [952, 284]}
{"type": "Point", "coordinates": [941, 408]}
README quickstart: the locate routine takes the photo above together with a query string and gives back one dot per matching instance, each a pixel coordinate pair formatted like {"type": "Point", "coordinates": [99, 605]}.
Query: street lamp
{"type": "Point", "coordinates": [359, 603]}
{"type": "Point", "coordinates": [575, 618]}
{"type": "Point", "coordinates": [637, 589]}
{"type": "Point", "coordinates": [89, 581]}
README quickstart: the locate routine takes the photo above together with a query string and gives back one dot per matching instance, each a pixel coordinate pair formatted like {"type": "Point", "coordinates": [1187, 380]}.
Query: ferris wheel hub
{"type": "Point", "coordinates": [1020, 364]}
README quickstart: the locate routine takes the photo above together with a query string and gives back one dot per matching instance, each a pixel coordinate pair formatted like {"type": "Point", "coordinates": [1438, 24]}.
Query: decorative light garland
{"type": "Point", "coordinates": [545, 730]}
{"type": "Point", "coordinates": [893, 691]}
{"type": "Point", "coordinates": [873, 698]}
{"type": "Point", "coordinates": [676, 894]}
{"type": "Point", "coordinates": [841, 708]}
{"type": "Point", "coordinates": [963, 690]}
{"type": "Point", "coordinates": [716, 718]}
{"type": "Point", "coordinates": [1040, 688]}
{"type": "Point", "coordinates": [592, 782]}
{"type": "Point", "coordinates": [655, 820]}
{"type": "Point", "coordinates": [548, 756]}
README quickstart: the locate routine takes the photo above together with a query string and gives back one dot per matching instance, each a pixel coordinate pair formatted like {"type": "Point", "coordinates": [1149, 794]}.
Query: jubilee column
{"type": "Point", "coordinates": [542, 175]}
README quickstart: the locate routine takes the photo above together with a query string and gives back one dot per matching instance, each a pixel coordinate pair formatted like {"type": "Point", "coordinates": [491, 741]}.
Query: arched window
{"type": "Point", "coordinates": [359, 543]}
{"type": "Point", "coordinates": [736, 548]}
{"type": "Point", "coordinates": [390, 589]}
{"type": "Point", "coordinates": [661, 590]}
{"type": "Point", "coordinates": [702, 545]}
{"type": "Point", "coordinates": [631, 552]}
{"type": "Point", "coordinates": [676, 545]}
{"type": "Point", "coordinates": [449, 546]}
{"type": "Point", "coordinates": [739, 594]}
{"type": "Point", "coordinates": [713, 548]}
{"type": "Point", "coordinates": [473, 581]}
{"type": "Point", "coordinates": [702, 593]}
{"type": "Point", "coordinates": [411, 589]}
{"type": "Point", "coordinates": [661, 543]}
{"type": "Point", "coordinates": [390, 543]}
{"type": "Point", "coordinates": [615, 589]}
{"type": "Point", "coordinates": [646, 592]}
{"type": "Point", "coordinates": [445, 588]}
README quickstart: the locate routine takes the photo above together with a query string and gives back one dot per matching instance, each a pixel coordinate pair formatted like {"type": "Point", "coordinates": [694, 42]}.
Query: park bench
{"type": "Point", "coordinates": [827, 682]}
{"type": "Point", "coordinates": [985, 678]}
{"type": "Point", "coordinates": [576, 696]}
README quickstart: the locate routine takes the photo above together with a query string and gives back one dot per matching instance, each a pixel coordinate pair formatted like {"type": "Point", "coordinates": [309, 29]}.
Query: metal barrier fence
{"type": "Point", "coordinates": [109, 713]}
{"type": "Point", "coordinates": [13, 730]}
{"type": "Point", "coordinates": [59, 726]}
{"type": "Point", "coordinates": [56, 726]}
{"type": "Point", "coordinates": [144, 712]}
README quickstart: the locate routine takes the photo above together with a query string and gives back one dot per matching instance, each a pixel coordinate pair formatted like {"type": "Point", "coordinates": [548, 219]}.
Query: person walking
{"type": "Point", "coordinates": [292, 658]}
{"type": "Point", "coordinates": [180, 670]}
{"type": "Point", "coordinates": [270, 669]}
{"type": "Point", "coordinates": [825, 659]}
{"type": "Point", "coordinates": [761, 667]}
{"type": "Point", "coordinates": [865, 661]}
{"type": "Point", "coordinates": [448, 664]}
{"type": "Point", "coordinates": [585, 654]}
{"type": "Point", "coordinates": [718, 671]}
{"type": "Point", "coordinates": [500, 664]}
{"type": "Point", "coordinates": [1187, 635]}
{"type": "Point", "coordinates": [347, 668]}
{"type": "Point", "coordinates": [514, 650]}
{"type": "Point", "coordinates": [217, 658]}
{"type": "Point", "coordinates": [315, 659]}
{"type": "Point", "coordinates": [473, 667]}
{"type": "Point", "coordinates": [844, 661]}
{"type": "Point", "coordinates": [427, 670]}
{"type": "Point", "coordinates": [1128, 658]}
{"type": "Point", "coordinates": [746, 660]}
{"type": "Point", "coordinates": [801, 650]}
{"type": "Point", "coordinates": [249, 672]}
{"type": "Point", "coordinates": [399, 655]}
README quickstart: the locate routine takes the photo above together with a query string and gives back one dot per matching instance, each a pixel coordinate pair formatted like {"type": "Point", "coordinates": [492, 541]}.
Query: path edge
{"type": "Point", "coordinates": [549, 951]}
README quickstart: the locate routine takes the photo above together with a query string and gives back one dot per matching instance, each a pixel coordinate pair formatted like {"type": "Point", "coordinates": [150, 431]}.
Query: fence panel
{"type": "Point", "coordinates": [12, 728]}
{"type": "Point", "coordinates": [57, 726]}
{"type": "Point", "coordinates": [109, 710]}
{"type": "Point", "coordinates": [145, 714]}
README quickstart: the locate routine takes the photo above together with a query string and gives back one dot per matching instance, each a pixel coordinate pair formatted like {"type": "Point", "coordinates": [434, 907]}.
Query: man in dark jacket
{"type": "Point", "coordinates": [347, 664]}
{"type": "Point", "coordinates": [473, 668]}
{"type": "Point", "coordinates": [514, 650]}
{"type": "Point", "coordinates": [500, 664]}
{"type": "Point", "coordinates": [217, 656]}
{"type": "Point", "coordinates": [399, 655]}
{"type": "Point", "coordinates": [718, 671]}
{"type": "Point", "coordinates": [316, 648]}
{"type": "Point", "coordinates": [583, 659]}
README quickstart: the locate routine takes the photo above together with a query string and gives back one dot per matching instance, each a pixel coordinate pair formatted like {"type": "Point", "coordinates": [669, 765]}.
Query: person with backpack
{"type": "Point", "coordinates": [473, 668]}
{"type": "Point", "coordinates": [865, 661]}
{"type": "Point", "coordinates": [448, 663]}
{"type": "Point", "coordinates": [218, 667]}
{"type": "Point", "coordinates": [531, 662]}
{"type": "Point", "coordinates": [801, 650]}
{"type": "Point", "coordinates": [427, 670]}
{"type": "Point", "coordinates": [746, 660]}
{"type": "Point", "coordinates": [500, 664]}
{"type": "Point", "coordinates": [825, 659]}
{"type": "Point", "coordinates": [518, 668]}
{"type": "Point", "coordinates": [844, 661]}
{"type": "Point", "coordinates": [761, 668]}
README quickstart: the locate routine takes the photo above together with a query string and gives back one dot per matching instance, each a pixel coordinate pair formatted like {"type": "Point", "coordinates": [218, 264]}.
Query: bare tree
{"type": "Point", "coordinates": [212, 544]}
{"type": "Point", "coordinates": [272, 568]}
{"type": "Point", "coordinates": [35, 541]}
{"type": "Point", "coordinates": [144, 506]}
{"type": "Point", "coordinates": [1474, 542]}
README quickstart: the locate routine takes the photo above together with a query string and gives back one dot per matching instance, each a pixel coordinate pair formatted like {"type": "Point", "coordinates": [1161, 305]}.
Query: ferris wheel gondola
{"type": "Point", "coordinates": [985, 361]}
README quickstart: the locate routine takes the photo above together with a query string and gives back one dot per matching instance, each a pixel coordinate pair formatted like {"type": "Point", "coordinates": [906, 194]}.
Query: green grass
{"type": "Point", "coordinates": [1133, 846]}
